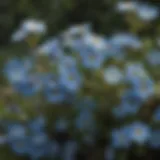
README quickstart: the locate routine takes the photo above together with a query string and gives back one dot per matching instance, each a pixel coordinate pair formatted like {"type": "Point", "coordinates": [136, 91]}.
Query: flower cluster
{"type": "Point", "coordinates": [144, 11]}
{"type": "Point", "coordinates": [83, 87]}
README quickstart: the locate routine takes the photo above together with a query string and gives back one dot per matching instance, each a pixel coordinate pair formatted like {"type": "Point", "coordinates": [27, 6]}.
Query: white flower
{"type": "Point", "coordinates": [18, 36]}
{"type": "Point", "coordinates": [78, 30]}
{"type": "Point", "coordinates": [126, 6]}
{"type": "Point", "coordinates": [147, 13]}
{"type": "Point", "coordinates": [95, 41]}
{"type": "Point", "coordinates": [113, 75]}
{"type": "Point", "coordinates": [34, 26]}
{"type": "Point", "coordinates": [28, 27]}
{"type": "Point", "coordinates": [75, 33]}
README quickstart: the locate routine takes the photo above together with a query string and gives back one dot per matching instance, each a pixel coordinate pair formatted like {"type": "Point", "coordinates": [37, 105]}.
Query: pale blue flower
{"type": "Point", "coordinates": [51, 48]}
{"type": "Point", "coordinates": [52, 89]}
{"type": "Point", "coordinates": [92, 59]}
{"type": "Point", "coordinates": [20, 146]}
{"type": "Point", "coordinates": [113, 75]}
{"type": "Point", "coordinates": [38, 124]}
{"type": "Point", "coordinates": [16, 131]}
{"type": "Point", "coordinates": [69, 76]}
{"type": "Point", "coordinates": [143, 88]}
{"type": "Point", "coordinates": [16, 71]}
{"type": "Point", "coordinates": [139, 132]}
{"type": "Point", "coordinates": [135, 72]}
{"type": "Point", "coordinates": [147, 12]}
{"type": "Point", "coordinates": [27, 88]}
{"type": "Point", "coordinates": [120, 137]}
{"type": "Point", "coordinates": [125, 109]}
{"type": "Point", "coordinates": [38, 145]}
{"type": "Point", "coordinates": [126, 40]}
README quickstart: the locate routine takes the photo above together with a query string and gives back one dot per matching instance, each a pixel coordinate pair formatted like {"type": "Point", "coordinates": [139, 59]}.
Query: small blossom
{"type": "Point", "coordinates": [126, 40]}
{"type": "Point", "coordinates": [128, 6]}
{"type": "Point", "coordinates": [34, 26]}
{"type": "Point", "coordinates": [139, 132]}
{"type": "Point", "coordinates": [147, 12]}
{"type": "Point", "coordinates": [113, 75]}
{"type": "Point", "coordinates": [120, 137]}
{"type": "Point", "coordinates": [30, 26]}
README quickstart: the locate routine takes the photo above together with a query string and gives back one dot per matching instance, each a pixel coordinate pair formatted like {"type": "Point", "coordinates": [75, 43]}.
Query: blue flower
{"type": "Point", "coordinates": [92, 59]}
{"type": "Point", "coordinates": [139, 132]}
{"type": "Point", "coordinates": [126, 40]}
{"type": "Point", "coordinates": [115, 52]}
{"type": "Point", "coordinates": [52, 49]}
{"type": "Point", "coordinates": [15, 71]}
{"type": "Point", "coordinates": [121, 138]}
{"type": "Point", "coordinates": [55, 96]}
{"type": "Point", "coordinates": [52, 89]}
{"type": "Point", "coordinates": [154, 140]}
{"type": "Point", "coordinates": [69, 76]}
{"type": "Point", "coordinates": [75, 34]}
{"type": "Point", "coordinates": [136, 73]}
{"type": "Point", "coordinates": [28, 87]}
{"type": "Point", "coordinates": [39, 139]}
{"type": "Point", "coordinates": [132, 98]}
{"type": "Point", "coordinates": [147, 12]}
{"type": "Point", "coordinates": [17, 138]}
{"type": "Point", "coordinates": [16, 131]}
{"type": "Point", "coordinates": [143, 88]}
{"type": "Point", "coordinates": [20, 146]}
{"type": "Point", "coordinates": [38, 124]}
{"type": "Point", "coordinates": [130, 104]}
{"type": "Point", "coordinates": [38, 145]}
{"type": "Point", "coordinates": [125, 109]}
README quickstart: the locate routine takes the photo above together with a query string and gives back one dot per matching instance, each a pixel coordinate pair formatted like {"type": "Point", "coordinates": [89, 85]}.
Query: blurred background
{"type": "Point", "coordinates": [106, 18]}
{"type": "Point", "coordinates": [60, 14]}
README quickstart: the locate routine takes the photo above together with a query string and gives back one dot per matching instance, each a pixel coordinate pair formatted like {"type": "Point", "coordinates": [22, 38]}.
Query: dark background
{"type": "Point", "coordinates": [59, 14]}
